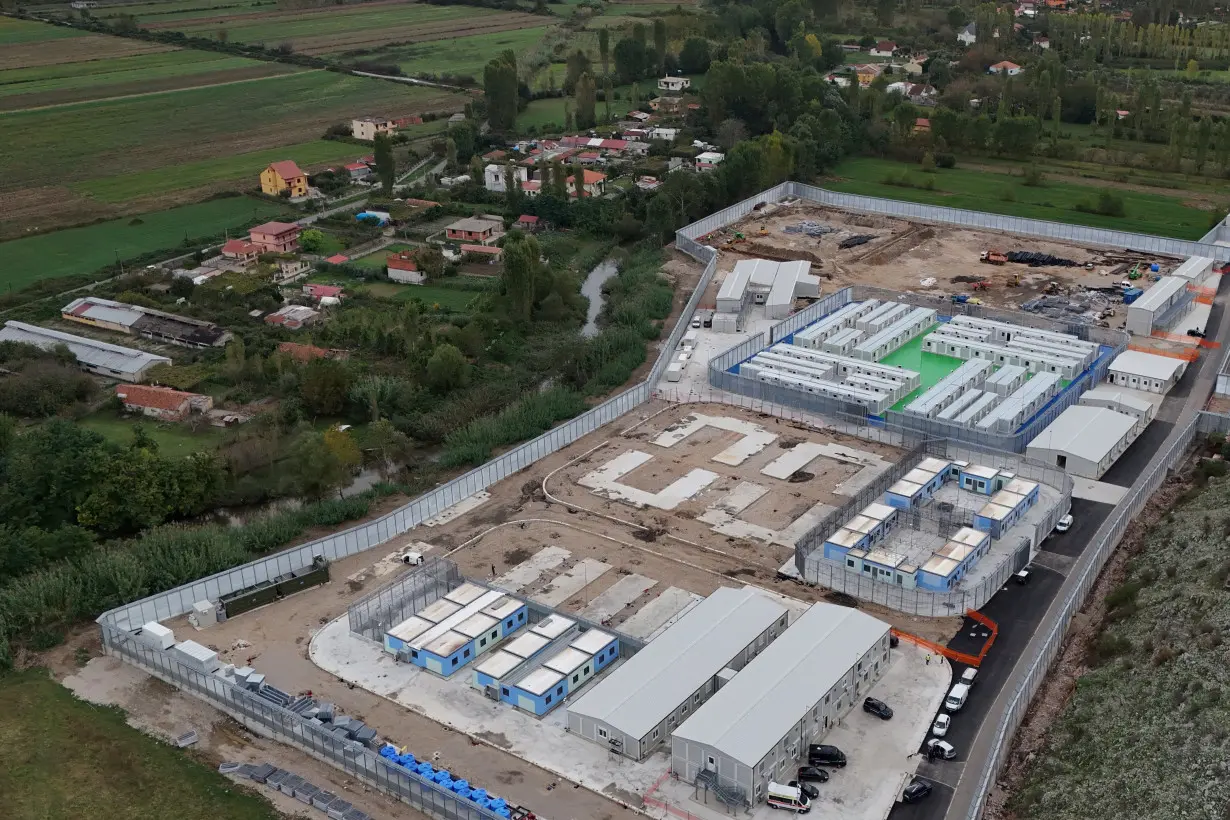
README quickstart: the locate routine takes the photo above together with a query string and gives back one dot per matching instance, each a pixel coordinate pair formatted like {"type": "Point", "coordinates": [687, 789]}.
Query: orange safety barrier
{"type": "Point", "coordinates": [1199, 291]}
{"type": "Point", "coordinates": [952, 654]}
{"type": "Point", "coordinates": [1189, 355]}
{"type": "Point", "coordinates": [1204, 300]}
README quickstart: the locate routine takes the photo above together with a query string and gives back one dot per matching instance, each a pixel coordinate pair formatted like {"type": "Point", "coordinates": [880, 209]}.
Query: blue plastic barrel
{"type": "Point", "coordinates": [389, 751]}
{"type": "Point", "coordinates": [498, 803]}
{"type": "Point", "coordinates": [426, 770]}
{"type": "Point", "coordinates": [1155, 267]}
{"type": "Point", "coordinates": [458, 785]}
{"type": "Point", "coordinates": [462, 792]}
{"type": "Point", "coordinates": [504, 812]}
{"type": "Point", "coordinates": [443, 774]}
{"type": "Point", "coordinates": [408, 760]}
{"type": "Point", "coordinates": [479, 795]}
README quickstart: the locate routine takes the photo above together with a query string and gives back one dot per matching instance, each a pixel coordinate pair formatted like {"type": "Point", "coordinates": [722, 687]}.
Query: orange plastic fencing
{"type": "Point", "coordinates": [952, 654]}
{"type": "Point", "coordinates": [1189, 355]}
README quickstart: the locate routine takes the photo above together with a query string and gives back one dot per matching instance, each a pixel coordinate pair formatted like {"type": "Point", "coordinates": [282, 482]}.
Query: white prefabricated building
{"type": "Point", "coordinates": [1085, 441]}
{"type": "Point", "coordinates": [635, 707]}
{"type": "Point", "coordinates": [1145, 371]}
{"type": "Point", "coordinates": [756, 727]}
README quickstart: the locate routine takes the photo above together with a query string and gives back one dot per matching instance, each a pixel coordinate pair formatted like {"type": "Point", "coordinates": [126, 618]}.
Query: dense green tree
{"type": "Point", "coordinates": [631, 60]}
{"type": "Point", "coordinates": [957, 18]}
{"type": "Point", "coordinates": [586, 100]}
{"type": "Point", "coordinates": [659, 44]}
{"type": "Point", "coordinates": [694, 57]}
{"type": "Point", "coordinates": [324, 386]}
{"type": "Point", "coordinates": [604, 50]}
{"type": "Point", "coordinates": [311, 240]}
{"type": "Point", "coordinates": [446, 369]}
{"type": "Point", "coordinates": [521, 262]}
{"type": "Point", "coordinates": [500, 92]}
{"type": "Point", "coordinates": [577, 64]}
{"type": "Point", "coordinates": [386, 168]}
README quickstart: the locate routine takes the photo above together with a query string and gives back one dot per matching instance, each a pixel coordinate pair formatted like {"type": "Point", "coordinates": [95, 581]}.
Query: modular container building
{"type": "Point", "coordinates": [1146, 371]}
{"type": "Point", "coordinates": [635, 708]}
{"type": "Point", "coordinates": [547, 684]}
{"type": "Point", "coordinates": [756, 727]}
{"type": "Point", "coordinates": [895, 335]}
{"type": "Point", "coordinates": [479, 619]}
{"type": "Point", "coordinates": [1159, 302]}
{"type": "Point", "coordinates": [1085, 441]}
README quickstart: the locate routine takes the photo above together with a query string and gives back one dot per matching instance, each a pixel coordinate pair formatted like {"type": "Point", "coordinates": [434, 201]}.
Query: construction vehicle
{"type": "Point", "coordinates": [983, 285]}
{"type": "Point", "coordinates": [1014, 281]}
{"type": "Point", "coordinates": [763, 231]}
{"type": "Point", "coordinates": [992, 258]}
{"type": "Point", "coordinates": [1051, 288]}
{"type": "Point", "coordinates": [1134, 273]}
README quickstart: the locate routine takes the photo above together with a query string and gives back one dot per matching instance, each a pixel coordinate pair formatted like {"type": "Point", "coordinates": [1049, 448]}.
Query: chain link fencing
{"type": "Point", "coordinates": [269, 720]}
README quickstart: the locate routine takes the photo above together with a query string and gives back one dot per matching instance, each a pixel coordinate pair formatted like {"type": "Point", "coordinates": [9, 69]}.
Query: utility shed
{"type": "Point", "coordinates": [111, 361]}
{"type": "Point", "coordinates": [636, 707]}
{"type": "Point", "coordinates": [1085, 441]}
{"type": "Point", "coordinates": [756, 727]}
{"type": "Point", "coordinates": [1145, 371]}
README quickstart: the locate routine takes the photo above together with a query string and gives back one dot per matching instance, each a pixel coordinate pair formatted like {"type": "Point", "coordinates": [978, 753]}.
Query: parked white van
{"type": "Point", "coordinates": [956, 697]}
{"type": "Point", "coordinates": [790, 798]}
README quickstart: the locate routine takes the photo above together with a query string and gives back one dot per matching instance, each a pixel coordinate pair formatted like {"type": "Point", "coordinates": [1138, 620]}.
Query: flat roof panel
{"type": "Point", "coordinates": [885, 558]}
{"type": "Point", "coordinates": [567, 660]}
{"type": "Point", "coordinates": [1146, 365]}
{"type": "Point", "coordinates": [502, 609]}
{"type": "Point", "coordinates": [455, 619]}
{"type": "Point", "coordinates": [751, 714]}
{"type": "Point", "coordinates": [466, 593]}
{"type": "Point", "coordinates": [942, 567]}
{"type": "Point", "coordinates": [906, 488]}
{"type": "Point", "coordinates": [539, 681]}
{"type": "Point", "coordinates": [970, 536]}
{"type": "Point", "coordinates": [410, 628]}
{"type": "Point", "coordinates": [438, 611]}
{"type": "Point", "coordinates": [640, 693]}
{"type": "Point", "coordinates": [476, 625]}
{"type": "Point", "coordinates": [446, 644]}
{"type": "Point", "coordinates": [845, 538]}
{"type": "Point", "coordinates": [995, 512]}
{"type": "Point", "coordinates": [982, 472]}
{"type": "Point", "coordinates": [592, 642]}
{"type": "Point", "coordinates": [861, 523]}
{"type": "Point", "coordinates": [499, 664]}
{"type": "Point", "coordinates": [553, 626]}
{"type": "Point", "coordinates": [1088, 433]}
{"type": "Point", "coordinates": [527, 645]}
{"type": "Point", "coordinates": [879, 512]}
{"type": "Point", "coordinates": [955, 550]}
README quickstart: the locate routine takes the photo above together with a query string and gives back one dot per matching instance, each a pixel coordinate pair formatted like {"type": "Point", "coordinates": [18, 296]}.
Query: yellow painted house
{"type": "Point", "coordinates": [284, 176]}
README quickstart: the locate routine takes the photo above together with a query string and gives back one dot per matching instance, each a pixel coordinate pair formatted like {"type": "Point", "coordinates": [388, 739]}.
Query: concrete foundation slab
{"type": "Point", "coordinates": [1099, 491]}
{"type": "Point", "coordinates": [802, 525]}
{"type": "Point", "coordinates": [524, 574]}
{"type": "Point", "coordinates": [660, 613]}
{"type": "Point", "coordinates": [798, 457]}
{"type": "Point", "coordinates": [459, 509]}
{"type": "Point", "coordinates": [755, 438]}
{"type": "Point", "coordinates": [616, 598]}
{"type": "Point", "coordinates": [605, 482]}
{"type": "Point", "coordinates": [793, 460]}
{"type": "Point", "coordinates": [569, 583]}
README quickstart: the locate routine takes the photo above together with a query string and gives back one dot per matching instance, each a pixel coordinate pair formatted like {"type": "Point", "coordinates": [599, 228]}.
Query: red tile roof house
{"type": "Point", "coordinates": [276, 237]}
{"type": "Point", "coordinates": [161, 402]}
{"type": "Point", "coordinates": [492, 253]}
{"type": "Point", "coordinates": [529, 223]}
{"type": "Point", "coordinates": [922, 125]}
{"type": "Point", "coordinates": [293, 317]}
{"type": "Point", "coordinates": [884, 48]}
{"type": "Point", "coordinates": [337, 259]}
{"type": "Point", "coordinates": [319, 292]}
{"type": "Point", "coordinates": [358, 170]}
{"type": "Point", "coordinates": [240, 250]}
{"type": "Point", "coordinates": [594, 182]}
{"type": "Point", "coordinates": [403, 267]}
{"type": "Point", "coordinates": [305, 353]}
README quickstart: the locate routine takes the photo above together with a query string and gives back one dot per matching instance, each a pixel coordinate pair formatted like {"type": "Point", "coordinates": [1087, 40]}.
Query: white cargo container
{"type": "Point", "coordinates": [674, 372]}
{"type": "Point", "coordinates": [156, 635]}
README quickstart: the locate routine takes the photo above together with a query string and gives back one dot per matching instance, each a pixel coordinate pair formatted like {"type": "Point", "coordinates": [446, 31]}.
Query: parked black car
{"type": "Point", "coordinates": [825, 755]}
{"type": "Point", "coordinates": [893, 640]}
{"type": "Point", "coordinates": [917, 790]}
{"type": "Point", "coordinates": [808, 789]}
{"type": "Point", "coordinates": [878, 708]}
{"type": "Point", "coordinates": [813, 773]}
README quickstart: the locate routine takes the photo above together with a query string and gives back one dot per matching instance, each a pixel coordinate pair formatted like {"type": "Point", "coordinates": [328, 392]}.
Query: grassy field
{"type": "Point", "coordinates": [82, 250]}
{"type": "Point", "coordinates": [173, 440]}
{"type": "Point", "coordinates": [460, 56]}
{"type": "Point", "coordinates": [66, 758]}
{"type": "Point", "coordinates": [376, 260]}
{"type": "Point", "coordinates": [1152, 686]}
{"type": "Point", "coordinates": [1004, 194]}
{"type": "Point", "coordinates": [14, 32]}
{"type": "Point", "coordinates": [446, 295]}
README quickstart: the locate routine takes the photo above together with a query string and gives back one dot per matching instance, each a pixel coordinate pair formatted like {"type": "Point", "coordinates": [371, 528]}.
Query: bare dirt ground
{"type": "Point", "coordinates": [74, 50]}
{"type": "Point", "coordinates": [1065, 675]}
{"type": "Point", "coordinates": [904, 254]}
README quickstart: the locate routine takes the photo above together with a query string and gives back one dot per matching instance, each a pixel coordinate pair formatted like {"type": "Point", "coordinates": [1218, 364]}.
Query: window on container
{"type": "Point", "coordinates": [454, 661]}
{"type": "Point", "coordinates": [576, 678]}
{"type": "Point", "coordinates": [586, 670]}
{"type": "Point", "coordinates": [603, 733]}
{"type": "Point", "coordinates": [559, 690]}
{"type": "Point", "coordinates": [482, 642]}
{"type": "Point", "coordinates": [467, 654]}
{"type": "Point", "coordinates": [504, 690]}
{"type": "Point", "coordinates": [548, 699]}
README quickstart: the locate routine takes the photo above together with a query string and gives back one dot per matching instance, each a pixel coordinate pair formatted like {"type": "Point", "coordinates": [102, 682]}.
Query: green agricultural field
{"type": "Point", "coordinates": [240, 167]}
{"type": "Point", "coordinates": [173, 440]}
{"type": "Point", "coordinates": [460, 56]}
{"type": "Point", "coordinates": [1004, 194]}
{"type": "Point", "coordinates": [183, 9]}
{"type": "Point", "coordinates": [375, 261]}
{"type": "Point", "coordinates": [82, 250]}
{"type": "Point", "coordinates": [68, 758]}
{"type": "Point", "coordinates": [549, 111]}
{"type": "Point", "coordinates": [13, 32]}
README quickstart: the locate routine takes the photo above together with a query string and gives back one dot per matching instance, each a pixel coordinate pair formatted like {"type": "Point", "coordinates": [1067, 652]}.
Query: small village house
{"type": "Point", "coordinates": [674, 85]}
{"type": "Point", "coordinates": [293, 317]}
{"type": "Point", "coordinates": [275, 237]}
{"type": "Point", "coordinates": [488, 253]}
{"type": "Point", "coordinates": [884, 48]}
{"type": "Point", "coordinates": [284, 176]}
{"type": "Point", "coordinates": [495, 177]}
{"type": "Point", "coordinates": [320, 293]}
{"type": "Point", "coordinates": [968, 35]}
{"type": "Point", "coordinates": [708, 160]}
{"type": "Point", "coordinates": [367, 128]}
{"type": "Point", "coordinates": [1005, 67]}
{"type": "Point", "coordinates": [162, 403]}
{"type": "Point", "coordinates": [922, 125]}
{"type": "Point", "coordinates": [290, 270]}
{"type": "Point", "coordinates": [593, 183]}
{"type": "Point", "coordinates": [529, 223]}
{"type": "Point", "coordinates": [474, 230]}
{"type": "Point", "coordinates": [403, 267]}
{"type": "Point", "coordinates": [358, 170]}
{"type": "Point", "coordinates": [1041, 42]}
{"type": "Point", "coordinates": [240, 250]}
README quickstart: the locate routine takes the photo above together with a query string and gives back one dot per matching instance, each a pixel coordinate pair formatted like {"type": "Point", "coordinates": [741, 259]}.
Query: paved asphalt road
{"type": "Point", "coordinates": [1020, 610]}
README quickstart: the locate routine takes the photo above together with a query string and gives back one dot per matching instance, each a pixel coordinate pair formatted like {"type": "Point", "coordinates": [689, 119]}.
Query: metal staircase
{"type": "Point", "coordinates": [730, 795]}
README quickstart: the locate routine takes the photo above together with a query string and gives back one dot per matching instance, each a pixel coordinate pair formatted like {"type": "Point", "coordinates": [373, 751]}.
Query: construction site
{"type": "Point", "coordinates": [1056, 280]}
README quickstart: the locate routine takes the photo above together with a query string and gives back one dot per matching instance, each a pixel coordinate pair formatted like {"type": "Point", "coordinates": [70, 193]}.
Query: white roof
{"type": "Point", "coordinates": [750, 715]}
{"type": "Point", "coordinates": [539, 681]}
{"type": "Point", "coordinates": [652, 683]}
{"type": "Point", "coordinates": [527, 645]}
{"type": "Point", "coordinates": [735, 283]}
{"type": "Point", "coordinates": [1109, 393]}
{"type": "Point", "coordinates": [553, 626]}
{"type": "Point", "coordinates": [710, 156]}
{"type": "Point", "coordinates": [438, 611]}
{"type": "Point", "coordinates": [499, 664]}
{"type": "Point", "coordinates": [465, 593]}
{"type": "Point", "coordinates": [1193, 268]}
{"type": "Point", "coordinates": [1085, 432]}
{"type": "Point", "coordinates": [1160, 295]}
{"type": "Point", "coordinates": [195, 650]}
{"type": "Point", "coordinates": [444, 627]}
{"type": "Point", "coordinates": [410, 628]}
{"type": "Point", "coordinates": [786, 282]}
{"type": "Point", "coordinates": [502, 609]}
{"type": "Point", "coordinates": [593, 641]}
{"type": "Point", "coordinates": [566, 660]}
{"type": "Point", "coordinates": [1147, 365]}
{"type": "Point", "coordinates": [89, 352]}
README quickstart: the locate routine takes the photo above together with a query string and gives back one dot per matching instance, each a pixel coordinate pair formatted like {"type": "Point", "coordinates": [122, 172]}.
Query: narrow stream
{"type": "Point", "coordinates": [591, 288]}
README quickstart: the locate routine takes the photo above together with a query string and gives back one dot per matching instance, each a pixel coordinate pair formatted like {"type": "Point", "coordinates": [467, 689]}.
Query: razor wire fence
{"type": "Point", "coordinates": [319, 741]}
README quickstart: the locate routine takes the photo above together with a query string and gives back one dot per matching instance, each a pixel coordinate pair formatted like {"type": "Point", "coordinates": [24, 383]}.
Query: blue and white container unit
{"type": "Point", "coordinates": [1005, 508]}
{"type": "Point", "coordinates": [562, 674]}
{"type": "Point", "coordinates": [951, 562]}
{"type": "Point", "coordinates": [862, 532]}
{"type": "Point", "coordinates": [465, 623]}
{"type": "Point", "coordinates": [918, 486]}
{"type": "Point", "coordinates": [505, 661]}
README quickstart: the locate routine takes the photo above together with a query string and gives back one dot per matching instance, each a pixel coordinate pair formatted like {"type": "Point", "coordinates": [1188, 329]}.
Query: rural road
{"type": "Point", "coordinates": [1199, 385]}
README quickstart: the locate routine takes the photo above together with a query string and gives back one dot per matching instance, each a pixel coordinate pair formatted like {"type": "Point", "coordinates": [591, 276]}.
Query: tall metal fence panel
{"type": "Point", "coordinates": [744, 350]}
{"type": "Point", "coordinates": [1101, 548]}
{"type": "Point", "coordinates": [378, 611]}
{"type": "Point", "coordinates": [685, 319]}
{"type": "Point", "coordinates": [1021, 226]}
{"type": "Point", "coordinates": [735, 212]}
{"type": "Point", "coordinates": [285, 726]}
